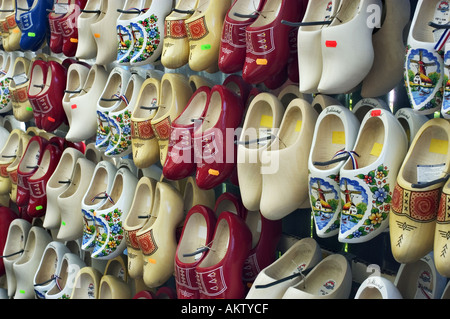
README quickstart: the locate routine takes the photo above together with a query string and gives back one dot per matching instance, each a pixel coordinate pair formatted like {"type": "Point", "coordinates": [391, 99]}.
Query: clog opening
{"type": "Point", "coordinates": [89, 81]}
{"type": "Point", "coordinates": [29, 249]}
{"type": "Point", "coordinates": [31, 157]}
{"type": "Point", "coordinates": [167, 99]}
{"type": "Point", "coordinates": [290, 129]}
{"type": "Point", "coordinates": [183, 6]}
{"type": "Point", "coordinates": [195, 237]}
{"type": "Point", "coordinates": [19, 154]}
{"type": "Point", "coordinates": [142, 206]}
{"type": "Point", "coordinates": [37, 78]}
{"type": "Point", "coordinates": [91, 5]}
{"type": "Point", "coordinates": [74, 184]}
{"type": "Point", "coordinates": [328, 272]}
{"type": "Point", "coordinates": [73, 84]}
{"type": "Point", "coordinates": [219, 246]}
{"type": "Point", "coordinates": [214, 111]}
{"type": "Point", "coordinates": [269, 13]}
{"type": "Point", "coordinates": [225, 206]}
{"type": "Point", "coordinates": [62, 279]}
{"type": "Point", "coordinates": [19, 67]}
{"type": "Point", "coordinates": [105, 290]}
{"type": "Point", "coordinates": [129, 6]}
{"type": "Point", "coordinates": [14, 243]}
{"type": "Point", "coordinates": [116, 268]}
{"type": "Point", "coordinates": [92, 154]}
{"type": "Point", "coordinates": [317, 11]}
{"type": "Point", "coordinates": [47, 268]}
{"type": "Point", "coordinates": [63, 172]}
{"type": "Point", "coordinates": [131, 86]}
{"type": "Point", "coordinates": [409, 283]}
{"type": "Point", "coordinates": [347, 10]}
{"type": "Point", "coordinates": [292, 261]}
{"type": "Point", "coordinates": [245, 7]}
{"type": "Point", "coordinates": [10, 149]}
{"type": "Point", "coordinates": [194, 110]}
{"type": "Point", "coordinates": [361, 111]}
{"type": "Point", "coordinates": [329, 140]}
{"type": "Point", "coordinates": [116, 192]}
{"type": "Point", "coordinates": [427, 152]}
{"type": "Point", "coordinates": [85, 287]}
{"type": "Point", "coordinates": [421, 31]}
{"type": "Point", "coordinates": [404, 123]}
{"type": "Point", "coordinates": [43, 166]}
{"type": "Point", "coordinates": [99, 184]}
{"type": "Point", "coordinates": [371, 293]}
{"type": "Point", "coordinates": [149, 98]}
{"type": "Point", "coordinates": [113, 88]}
{"type": "Point", "coordinates": [258, 124]}
{"type": "Point", "coordinates": [370, 144]}
{"type": "Point", "coordinates": [48, 81]}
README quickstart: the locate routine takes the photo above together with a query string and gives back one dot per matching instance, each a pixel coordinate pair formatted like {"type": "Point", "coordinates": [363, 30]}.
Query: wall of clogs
{"type": "Point", "coordinates": [224, 149]}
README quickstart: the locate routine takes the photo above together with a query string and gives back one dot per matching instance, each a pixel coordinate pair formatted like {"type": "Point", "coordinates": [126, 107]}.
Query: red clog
{"type": "Point", "coordinates": [37, 205]}
{"type": "Point", "coordinates": [233, 41]}
{"type": "Point", "coordinates": [228, 202]}
{"type": "Point", "coordinates": [266, 235]}
{"type": "Point", "coordinates": [215, 148]}
{"type": "Point", "coordinates": [38, 76]}
{"type": "Point", "coordinates": [166, 293]}
{"type": "Point", "coordinates": [49, 100]}
{"type": "Point", "coordinates": [268, 47]}
{"type": "Point", "coordinates": [219, 274]}
{"type": "Point", "coordinates": [237, 84]}
{"type": "Point", "coordinates": [180, 161]}
{"type": "Point", "coordinates": [7, 215]}
{"type": "Point", "coordinates": [69, 27]}
{"type": "Point", "coordinates": [278, 79]}
{"type": "Point", "coordinates": [62, 144]}
{"type": "Point", "coordinates": [56, 38]}
{"type": "Point", "coordinates": [197, 232]}
{"type": "Point", "coordinates": [28, 165]}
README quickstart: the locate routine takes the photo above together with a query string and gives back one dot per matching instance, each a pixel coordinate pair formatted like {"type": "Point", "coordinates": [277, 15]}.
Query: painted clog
{"type": "Point", "coordinates": [424, 66]}
{"type": "Point", "coordinates": [126, 36]}
{"type": "Point", "coordinates": [336, 131]}
{"type": "Point", "coordinates": [170, 107]}
{"type": "Point", "coordinates": [175, 52]}
{"type": "Point", "coordinates": [204, 29]}
{"type": "Point", "coordinates": [112, 96]}
{"type": "Point", "coordinates": [331, 278]}
{"type": "Point", "coordinates": [215, 151]}
{"type": "Point", "coordinates": [120, 119]}
{"type": "Point", "coordinates": [219, 274]}
{"type": "Point", "coordinates": [12, 168]}
{"type": "Point", "coordinates": [96, 195]}
{"type": "Point", "coordinates": [5, 82]}
{"type": "Point", "coordinates": [292, 141]}
{"type": "Point", "coordinates": [415, 199]}
{"type": "Point", "coordinates": [18, 87]}
{"type": "Point", "coordinates": [144, 144]}
{"type": "Point", "coordinates": [241, 14]}
{"type": "Point", "coordinates": [14, 33]}
{"type": "Point", "coordinates": [263, 118]}
{"type": "Point", "coordinates": [195, 239]}
{"type": "Point", "coordinates": [268, 48]}
{"type": "Point", "coordinates": [180, 161]}
{"type": "Point", "coordinates": [109, 239]}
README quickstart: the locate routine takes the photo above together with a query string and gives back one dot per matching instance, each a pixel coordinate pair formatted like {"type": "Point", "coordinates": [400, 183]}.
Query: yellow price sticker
{"type": "Point", "coordinates": [298, 126]}
{"type": "Point", "coordinates": [261, 61]}
{"type": "Point", "coordinates": [266, 121]}
{"type": "Point", "coordinates": [376, 149]}
{"type": "Point", "coordinates": [338, 137]}
{"type": "Point", "coordinates": [438, 146]}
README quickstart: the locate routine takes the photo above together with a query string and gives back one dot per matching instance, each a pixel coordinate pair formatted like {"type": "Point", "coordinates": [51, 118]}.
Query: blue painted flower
{"type": "Point", "coordinates": [152, 33]}
{"type": "Point", "coordinates": [357, 234]}
{"type": "Point", "coordinates": [126, 129]}
{"type": "Point", "coordinates": [115, 229]}
{"type": "Point", "coordinates": [380, 195]}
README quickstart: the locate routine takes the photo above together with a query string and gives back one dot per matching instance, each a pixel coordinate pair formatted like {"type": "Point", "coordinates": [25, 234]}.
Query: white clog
{"type": "Point", "coordinates": [87, 47]}
{"type": "Point", "coordinates": [112, 97]}
{"type": "Point", "coordinates": [14, 247]}
{"type": "Point", "coordinates": [109, 239]}
{"type": "Point", "coordinates": [8, 154]}
{"type": "Point", "coordinates": [329, 279]}
{"type": "Point", "coordinates": [377, 287]}
{"type": "Point", "coordinates": [411, 122]}
{"type": "Point", "coordinates": [273, 281]}
{"type": "Point", "coordinates": [424, 66]}
{"type": "Point", "coordinates": [261, 123]}
{"type": "Point", "coordinates": [105, 39]}
{"type": "Point", "coordinates": [292, 143]}
{"type": "Point", "coordinates": [96, 195]}
{"type": "Point", "coordinates": [336, 130]}
{"type": "Point", "coordinates": [367, 179]}
{"type": "Point", "coordinates": [120, 119]}
{"type": "Point", "coordinates": [111, 287]}
{"type": "Point", "coordinates": [322, 101]}
{"type": "Point", "coordinates": [82, 111]}
{"type": "Point", "coordinates": [49, 268]}
{"type": "Point", "coordinates": [60, 180]}
{"type": "Point", "coordinates": [69, 201]}
{"type": "Point", "coordinates": [318, 16]}
{"type": "Point", "coordinates": [420, 279]}
{"type": "Point", "coordinates": [93, 154]}
{"type": "Point", "coordinates": [70, 265]}
{"type": "Point", "coordinates": [344, 65]}
{"type": "Point", "coordinates": [26, 266]}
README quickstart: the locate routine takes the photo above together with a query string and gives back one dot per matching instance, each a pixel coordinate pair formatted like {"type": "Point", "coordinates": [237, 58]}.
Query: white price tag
{"type": "Point", "coordinates": [429, 173]}
{"type": "Point", "coordinates": [61, 8]}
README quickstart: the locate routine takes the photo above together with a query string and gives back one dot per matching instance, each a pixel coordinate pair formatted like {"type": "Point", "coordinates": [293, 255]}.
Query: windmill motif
{"type": "Point", "coordinates": [321, 203]}
{"type": "Point", "coordinates": [421, 78]}
{"type": "Point", "coordinates": [121, 35]}
{"type": "Point", "coordinates": [349, 206]}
